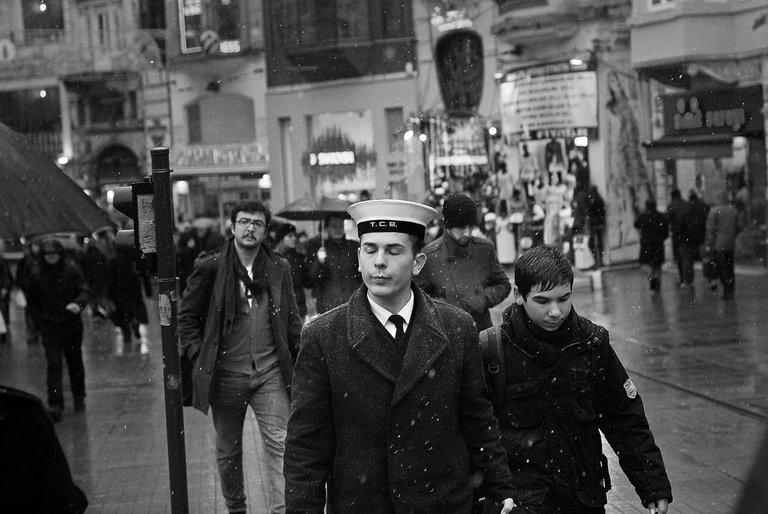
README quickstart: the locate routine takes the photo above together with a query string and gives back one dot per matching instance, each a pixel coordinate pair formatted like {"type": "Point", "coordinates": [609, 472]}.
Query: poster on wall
{"type": "Point", "coordinates": [555, 96]}
{"type": "Point", "coordinates": [341, 158]}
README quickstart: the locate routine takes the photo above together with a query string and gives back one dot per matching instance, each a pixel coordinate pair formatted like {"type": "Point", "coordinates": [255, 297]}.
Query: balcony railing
{"type": "Point", "coordinates": [48, 142]}
{"type": "Point", "coordinates": [42, 36]}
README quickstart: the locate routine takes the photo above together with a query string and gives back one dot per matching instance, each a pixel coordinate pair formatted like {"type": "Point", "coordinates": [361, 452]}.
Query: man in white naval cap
{"type": "Point", "coordinates": [389, 412]}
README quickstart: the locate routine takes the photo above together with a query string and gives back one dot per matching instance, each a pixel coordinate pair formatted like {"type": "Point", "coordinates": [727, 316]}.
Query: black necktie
{"type": "Point", "coordinates": [398, 321]}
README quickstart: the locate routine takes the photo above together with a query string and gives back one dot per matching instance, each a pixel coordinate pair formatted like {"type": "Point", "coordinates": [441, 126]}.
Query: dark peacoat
{"type": "Point", "coordinates": [653, 228]}
{"type": "Point", "coordinates": [469, 277]}
{"type": "Point", "coordinates": [207, 312]}
{"type": "Point", "coordinates": [386, 438]}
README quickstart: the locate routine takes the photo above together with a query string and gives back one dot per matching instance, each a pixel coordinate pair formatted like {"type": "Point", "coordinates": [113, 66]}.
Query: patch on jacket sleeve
{"type": "Point", "coordinates": [630, 388]}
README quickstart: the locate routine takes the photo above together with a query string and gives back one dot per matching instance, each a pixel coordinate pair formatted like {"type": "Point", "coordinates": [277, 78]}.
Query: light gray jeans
{"type": "Point", "coordinates": [267, 396]}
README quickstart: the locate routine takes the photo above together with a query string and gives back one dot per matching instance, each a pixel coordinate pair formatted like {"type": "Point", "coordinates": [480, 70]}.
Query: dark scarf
{"type": "Point", "coordinates": [256, 285]}
{"type": "Point", "coordinates": [540, 344]}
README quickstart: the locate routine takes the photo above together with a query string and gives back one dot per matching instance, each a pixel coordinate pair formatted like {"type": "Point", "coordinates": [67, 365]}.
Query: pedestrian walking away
{"type": "Point", "coordinates": [6, 289]}
{"type": "Point", "coordinates": [389, 410]}
{"type": "Point", "coordinates": [563, 386]}
{"type": "Point", "coordinates": [58, 294]}
{"type": "Point", "coordinates": [461, 269]}
{"type": "Point", "coordinates": [653, 229]}
{"type": "Point", "coordinates": [723, 225]}
{"type": "Point", "coordinates": [286, 247]}
{"type": "Point", "coordinates": [239, 326]}
{"type": "Point", "coordinates": [679, 216]}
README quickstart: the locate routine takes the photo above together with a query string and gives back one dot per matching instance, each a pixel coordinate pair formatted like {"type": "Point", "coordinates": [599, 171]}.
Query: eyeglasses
{"type": "Point", "coordinates": [244, 222]}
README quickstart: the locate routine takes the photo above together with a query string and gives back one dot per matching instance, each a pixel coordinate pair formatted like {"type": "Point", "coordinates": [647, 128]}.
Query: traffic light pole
{"type": "Point", "coordinates": [166, 277]}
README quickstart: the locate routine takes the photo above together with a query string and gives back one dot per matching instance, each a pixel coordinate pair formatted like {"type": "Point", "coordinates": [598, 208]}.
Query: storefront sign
{"type": "Point", "coordinates": [219, 158]}
{"type": "Point", "coordinates": [506, 6]}
{"type": "Point", "coordinates": [331, 158]}
{"type": "Point", "coordinates": [719, 111]}
{"type": "Point", "coordinates": [557, 97]}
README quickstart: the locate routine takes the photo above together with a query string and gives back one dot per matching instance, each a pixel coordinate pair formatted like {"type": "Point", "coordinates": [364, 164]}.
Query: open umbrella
{"type": "Point", "coordinates": [36, 197]}
{"type": "Point", "coordinates": [312, 209]}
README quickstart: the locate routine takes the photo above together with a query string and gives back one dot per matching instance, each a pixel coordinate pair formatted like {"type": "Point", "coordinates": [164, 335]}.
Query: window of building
{"type": "Point", "coordinates": [221, 118]}
{"type": "Point", "coordinates": [42, 14]}
{"type": "Point", "coordinates": [395, 123]}
{"type": "Point", "coordinates": [661, 4]}
{"type": "Point", "coordinates": [151, 14]}
{"type": "Point", "coordinates": [210, 26]}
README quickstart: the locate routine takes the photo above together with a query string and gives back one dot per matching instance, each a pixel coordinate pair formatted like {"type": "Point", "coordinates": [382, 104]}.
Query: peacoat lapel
{"type": "Point", "coordinates": [426, 343]}
{"type": "Point", "coordinates": [362, 336]}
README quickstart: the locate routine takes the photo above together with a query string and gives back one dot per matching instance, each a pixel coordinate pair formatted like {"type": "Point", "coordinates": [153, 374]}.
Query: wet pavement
{"type": "Point", "coordinates": [700, 363]}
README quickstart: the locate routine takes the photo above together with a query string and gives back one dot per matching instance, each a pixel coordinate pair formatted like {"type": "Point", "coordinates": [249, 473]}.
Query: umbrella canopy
{"type": "Point", "coordinates": [36, 197]}
{"type": "Point", "coordinates": [312, 209]}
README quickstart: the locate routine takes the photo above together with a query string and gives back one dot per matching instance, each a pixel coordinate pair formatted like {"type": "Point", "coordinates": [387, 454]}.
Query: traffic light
{"type": "Point", "coordinates": [135, 201]}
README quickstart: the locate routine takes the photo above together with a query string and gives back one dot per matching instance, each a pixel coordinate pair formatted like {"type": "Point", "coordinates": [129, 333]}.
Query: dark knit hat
{"type": "Point", "coordinates": [459, 211]}
{"type": "Point", "coordinates": [283, 230]}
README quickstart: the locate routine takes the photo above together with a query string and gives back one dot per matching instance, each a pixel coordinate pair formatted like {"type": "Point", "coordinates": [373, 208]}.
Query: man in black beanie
{"type": "Point", "coordinates": [461, 269]}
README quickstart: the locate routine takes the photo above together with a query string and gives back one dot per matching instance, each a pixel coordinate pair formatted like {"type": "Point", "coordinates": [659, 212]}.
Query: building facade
{"type": "Point", "coordinates": [73, 75]}
{"type": "Point", "coordinates": [568, 105]}
{"type": "Point", "coordinates": [354, 98]}
{"type": "Point", "coordinates": [704, 70]}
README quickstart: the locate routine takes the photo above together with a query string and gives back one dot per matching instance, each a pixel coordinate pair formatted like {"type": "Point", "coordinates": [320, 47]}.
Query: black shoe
{"type": "Point", "coordinates": [79, 404]}
{"type": "Point", "coordinates": [55, 413]}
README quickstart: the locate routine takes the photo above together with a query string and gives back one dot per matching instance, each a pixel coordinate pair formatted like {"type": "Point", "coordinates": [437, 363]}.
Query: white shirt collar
{"type": "Point", "coordinates": [383, 314]}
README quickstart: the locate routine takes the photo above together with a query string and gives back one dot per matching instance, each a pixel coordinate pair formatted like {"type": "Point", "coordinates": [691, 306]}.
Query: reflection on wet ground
{"type": "Point", "coordinates": [700, 364]}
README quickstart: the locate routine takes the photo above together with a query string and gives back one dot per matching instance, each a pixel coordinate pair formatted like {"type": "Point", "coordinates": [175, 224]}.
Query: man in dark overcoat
{"type": "Point", "coordinates": [239, 325]}
{"type": "Point", "coordinates": [654, 229]}
{"type": "Point", "coordinates": [389, 411]}
{"type": "Point", "coordinates": [461, 269]}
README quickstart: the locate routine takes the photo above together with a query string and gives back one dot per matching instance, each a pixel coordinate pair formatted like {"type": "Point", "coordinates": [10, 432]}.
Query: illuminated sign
{"type": "Point", "coordinates": [213, 27]}
{"type": "Point", "coordinates": [331, 158]}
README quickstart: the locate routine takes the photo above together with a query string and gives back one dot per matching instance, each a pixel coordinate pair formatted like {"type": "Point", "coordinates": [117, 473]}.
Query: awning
{"type": "Point", "coordinates": [689, 147]}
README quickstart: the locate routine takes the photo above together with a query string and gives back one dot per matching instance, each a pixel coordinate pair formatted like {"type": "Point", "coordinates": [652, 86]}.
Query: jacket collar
{"type": "Point", "coordinates": [426, 343]}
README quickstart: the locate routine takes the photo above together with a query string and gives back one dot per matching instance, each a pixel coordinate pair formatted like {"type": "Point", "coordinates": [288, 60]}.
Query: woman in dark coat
{"type": "Point", "coordinates": [124, 289]}
{"type": "Point", "coordinates": [654, 229]}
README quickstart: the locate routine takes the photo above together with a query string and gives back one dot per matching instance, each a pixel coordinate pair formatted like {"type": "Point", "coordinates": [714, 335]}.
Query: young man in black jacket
{"type": "Point", "coordinates": [565, 385]}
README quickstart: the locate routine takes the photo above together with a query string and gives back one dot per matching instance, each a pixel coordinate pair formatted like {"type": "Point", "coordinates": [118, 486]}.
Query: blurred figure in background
{"type": "Point", "coordinates": [596, 221]}
{"type": "Point", "coordinates": [25, 268]}
{"type": "Point", "coordinates": [6, 288]}
{"type": "Point", "coordinates": [286, 239]}
{"type": "Point", "coordinates": [58, 294]}
{"type": "Point", "coordinates": [699, 212]}
{"type": "Point", "coordinates": [679, 216]}
{"type": "Point", "coordinates": [124, 287]}
{"type": "Point", "coordinates": [461, 269]}
{"type": "Point", "coordinates": [332, 270]}
{"type": "Point", "coordinates": [653, 229]}
{"type": "Point", "coordinates": [723, 225]}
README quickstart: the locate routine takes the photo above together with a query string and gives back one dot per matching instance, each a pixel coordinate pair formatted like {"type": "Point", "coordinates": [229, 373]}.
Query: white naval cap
{"type": "Point", "coordinates": [391, 216]}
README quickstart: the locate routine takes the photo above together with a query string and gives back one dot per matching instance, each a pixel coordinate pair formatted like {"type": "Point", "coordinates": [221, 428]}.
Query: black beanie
{"type": "Point", "coordinates": [459, 211]}
{"type": "Point", "coordinates": [283, 230]}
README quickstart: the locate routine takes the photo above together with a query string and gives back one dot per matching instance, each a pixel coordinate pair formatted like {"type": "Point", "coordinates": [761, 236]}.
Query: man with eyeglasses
{"type": "Point", "coordinates": [239, 325]}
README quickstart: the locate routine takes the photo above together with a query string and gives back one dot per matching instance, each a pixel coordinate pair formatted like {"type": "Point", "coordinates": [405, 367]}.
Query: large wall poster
{"type": "Point", "coordinates": [341, 156]}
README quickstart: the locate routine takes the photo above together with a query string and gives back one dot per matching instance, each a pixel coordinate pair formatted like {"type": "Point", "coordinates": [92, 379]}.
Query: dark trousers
{"type": "Point", "coordinates": [60, 345]}
{"type": "Point", "coordinates": [684, 256]}
{"type": "Point", "coordinates": [725, 270]}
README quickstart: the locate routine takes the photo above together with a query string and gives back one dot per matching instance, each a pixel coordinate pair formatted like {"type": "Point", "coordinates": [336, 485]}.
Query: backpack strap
{"type": "Point", "coordinates": [491, 347]}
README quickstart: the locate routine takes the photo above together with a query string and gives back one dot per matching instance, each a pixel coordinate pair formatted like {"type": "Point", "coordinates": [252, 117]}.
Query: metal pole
{"type": "Point", "coordinates": [166, 302]}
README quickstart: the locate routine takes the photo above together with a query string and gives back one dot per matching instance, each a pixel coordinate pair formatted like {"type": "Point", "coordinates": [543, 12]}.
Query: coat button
{"type": "Point", "coordinates": [424, 401]}
{"type": "Point", "coordinates": [429, 487]}
{"type": "Point", "coordinates": [393, 449]}
{"type": "Point", "coordinates": [428, 446]}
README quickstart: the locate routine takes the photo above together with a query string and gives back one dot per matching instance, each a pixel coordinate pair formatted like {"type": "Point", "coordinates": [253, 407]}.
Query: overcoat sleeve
{"type": "Point", "coordinates": [310, 443]}
{"type": "Point", "coordinates": [193, 310]}
{"type": "Point", "coordinates": [622, 420]}
{"type": "Point", "coordinates": [497, 285]}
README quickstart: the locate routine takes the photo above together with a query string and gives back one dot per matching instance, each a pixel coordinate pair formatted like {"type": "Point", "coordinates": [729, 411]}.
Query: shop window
{"type": "Point", "coordinates": [218, 119]}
